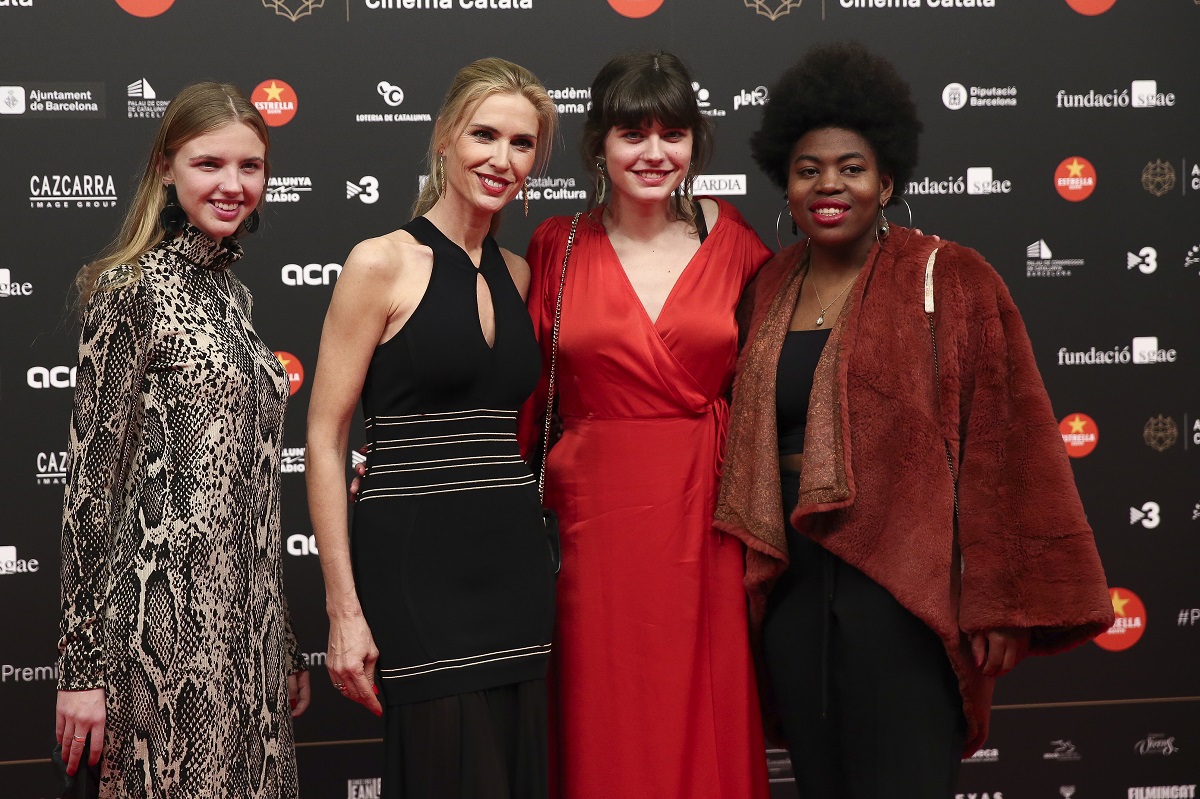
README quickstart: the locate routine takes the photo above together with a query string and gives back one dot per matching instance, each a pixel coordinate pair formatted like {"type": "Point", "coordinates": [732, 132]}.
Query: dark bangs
{"type": "Point", "coordinates": [637, 98]}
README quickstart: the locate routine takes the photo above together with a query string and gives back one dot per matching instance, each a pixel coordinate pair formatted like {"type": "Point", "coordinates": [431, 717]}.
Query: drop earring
{"type": "Point", "coordinates": [601, 185]}
{"type": "Point", "coordinates": [172, 217]}
{"type": "Point", "coordinates": [441, 176]}
{"type": "Point", "coordinates": [525, 195]}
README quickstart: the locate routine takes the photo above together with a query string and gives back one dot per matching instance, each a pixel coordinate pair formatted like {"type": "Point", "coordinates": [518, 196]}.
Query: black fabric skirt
{"type": "Point", "coordinates": [488, 744]}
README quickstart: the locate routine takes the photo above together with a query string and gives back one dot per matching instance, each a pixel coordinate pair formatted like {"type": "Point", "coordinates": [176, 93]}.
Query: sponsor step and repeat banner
{"type": "Point", "coordinates": [1060, 141]}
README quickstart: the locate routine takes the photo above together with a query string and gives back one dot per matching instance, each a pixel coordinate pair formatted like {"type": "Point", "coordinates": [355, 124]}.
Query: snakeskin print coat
{"type": "Point", "coordinates": [171, 577]}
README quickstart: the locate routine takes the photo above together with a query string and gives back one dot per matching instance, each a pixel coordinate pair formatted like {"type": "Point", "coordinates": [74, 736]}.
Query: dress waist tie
{"type": "Point", "coordinates": [719, 409]}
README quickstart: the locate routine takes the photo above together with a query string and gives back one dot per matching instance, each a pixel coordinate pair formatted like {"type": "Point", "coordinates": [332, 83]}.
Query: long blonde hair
{"type": "Point", "coordinates": [472, 85]}
{"type": "Point", "coordinates": [196, 110]}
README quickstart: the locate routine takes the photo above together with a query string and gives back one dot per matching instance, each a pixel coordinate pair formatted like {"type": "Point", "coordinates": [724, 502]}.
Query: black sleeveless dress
{"type": "Point", "coordinates": [450, 555]}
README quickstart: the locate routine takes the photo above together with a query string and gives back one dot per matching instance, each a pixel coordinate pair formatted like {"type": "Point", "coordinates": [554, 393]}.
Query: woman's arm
{"type": "Point", "coordinates": [369, 301]}
{"type": "Point", "coordinates": [112, 351]}
{"type": "Point", "coordinates": [1032, 579]}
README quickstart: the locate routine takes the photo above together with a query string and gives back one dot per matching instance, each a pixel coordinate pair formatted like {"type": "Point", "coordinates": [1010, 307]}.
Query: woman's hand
{"type": "Point", "coordinates": [78, 716]}
{"type": "Point", "coordinates": [351, 660]}
{"type": "Point", "coordinates": [298, 692]}
{"type": "Point", "coordinates": [998, 651]}
{"type": "Point", "coordinates": [360, 471]}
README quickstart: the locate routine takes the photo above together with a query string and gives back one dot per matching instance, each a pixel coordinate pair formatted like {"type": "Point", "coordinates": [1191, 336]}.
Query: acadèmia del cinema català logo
{"type": "Point", "coordinates": [145, 8]}
{"type": "Point", "coordinates": [293, 9]}
{"type": "Point", "coordinates": [772, 9]}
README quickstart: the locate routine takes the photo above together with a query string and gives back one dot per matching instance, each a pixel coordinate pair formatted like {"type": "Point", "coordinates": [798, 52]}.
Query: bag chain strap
{"type": "Point", "coordinates": [562, 282]}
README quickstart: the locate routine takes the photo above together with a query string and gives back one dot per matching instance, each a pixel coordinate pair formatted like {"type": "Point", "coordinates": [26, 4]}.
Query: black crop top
{"type": "Point", "coordinates": [793, 384]}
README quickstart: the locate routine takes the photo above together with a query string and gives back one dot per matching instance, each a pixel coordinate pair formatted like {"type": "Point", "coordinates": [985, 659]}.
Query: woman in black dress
{"type": "Point", "coordinates": [447, 585]}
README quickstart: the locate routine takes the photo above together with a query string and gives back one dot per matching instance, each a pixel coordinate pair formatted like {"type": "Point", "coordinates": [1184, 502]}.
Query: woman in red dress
{"type": "Point", "coordinates": [654, 691]}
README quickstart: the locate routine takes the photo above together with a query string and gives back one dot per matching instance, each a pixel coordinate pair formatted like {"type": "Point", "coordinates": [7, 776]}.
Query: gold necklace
{"type": "Point", "coordinates": [821, 318]}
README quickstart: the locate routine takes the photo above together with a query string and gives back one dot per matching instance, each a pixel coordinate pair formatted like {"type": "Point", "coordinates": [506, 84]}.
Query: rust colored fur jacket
{"type": "Point", "coordinates": [876, 488]}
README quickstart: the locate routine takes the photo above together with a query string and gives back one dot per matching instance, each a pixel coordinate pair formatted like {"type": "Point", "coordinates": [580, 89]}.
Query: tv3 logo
{"type": "Point", "coordinates": [1148, 515]}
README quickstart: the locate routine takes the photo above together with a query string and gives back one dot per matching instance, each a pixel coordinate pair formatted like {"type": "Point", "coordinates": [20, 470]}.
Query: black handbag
{"type": "Point", "coordinates": [548, 516]}
{"type": "Point", "coordinates": [84, 784]}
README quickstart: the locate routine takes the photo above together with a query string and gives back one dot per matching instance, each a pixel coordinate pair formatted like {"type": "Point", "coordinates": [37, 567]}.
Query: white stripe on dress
{"type": "Point", "coordinates": [465, 662]}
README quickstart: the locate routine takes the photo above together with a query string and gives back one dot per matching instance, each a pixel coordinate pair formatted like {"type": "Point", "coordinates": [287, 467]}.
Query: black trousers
{"type": "Point", "coordinates": [869, 703]}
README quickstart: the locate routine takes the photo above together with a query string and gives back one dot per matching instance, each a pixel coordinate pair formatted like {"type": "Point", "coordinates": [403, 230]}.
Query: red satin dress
{"type": "Point", "coordinates": [652, 685]}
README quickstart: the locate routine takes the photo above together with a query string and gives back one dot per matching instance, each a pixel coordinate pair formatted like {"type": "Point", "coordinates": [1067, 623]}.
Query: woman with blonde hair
{"type": "Point", "coordinates": [178, 664]}
{"type": "Point", "coordinates": [446, 583]}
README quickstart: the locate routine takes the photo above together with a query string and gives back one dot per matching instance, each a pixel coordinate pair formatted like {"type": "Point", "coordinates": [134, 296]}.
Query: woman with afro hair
{"type": "Point", "coordinates": [931, 533]}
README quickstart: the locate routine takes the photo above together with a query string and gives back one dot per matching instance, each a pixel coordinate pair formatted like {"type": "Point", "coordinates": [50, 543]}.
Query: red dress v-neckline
{"type": "Point", "coordinates": [674, 286]}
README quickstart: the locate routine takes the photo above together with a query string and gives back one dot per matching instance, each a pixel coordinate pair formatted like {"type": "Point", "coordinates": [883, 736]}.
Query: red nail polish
{"type": "Point", "coordinates": [375, 688]}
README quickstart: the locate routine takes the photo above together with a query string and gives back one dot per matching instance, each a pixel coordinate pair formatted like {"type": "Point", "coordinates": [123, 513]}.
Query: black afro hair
{"type": "Point", "coordinates": [840, 85]}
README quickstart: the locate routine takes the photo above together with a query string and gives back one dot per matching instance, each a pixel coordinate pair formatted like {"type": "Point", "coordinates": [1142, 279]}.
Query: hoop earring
{"type": "Point", "coordinates": [172, 217]}
{"type": "Point", "coordinates": [441, 176]}
{"type": "Point", "coordinates": [779, 218]}
{"type": "Point", "coordinates": [252, 221]}
{"type": "Point", "coordinates": [525, 195]}
{"type": "Point", "coordinates": [907, 207]}
{"type": "Point", "coordinates": [601, 184]}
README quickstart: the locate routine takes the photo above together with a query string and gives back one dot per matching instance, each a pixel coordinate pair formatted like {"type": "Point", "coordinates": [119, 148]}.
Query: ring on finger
{"type": "Point", "coordinates": [341, 686]}
{"type": "Point", "coordinates": [80, 738]}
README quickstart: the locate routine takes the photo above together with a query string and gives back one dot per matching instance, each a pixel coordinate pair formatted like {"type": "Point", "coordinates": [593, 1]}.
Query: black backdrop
{"type": "Point", "coordinates": [1039, 85]}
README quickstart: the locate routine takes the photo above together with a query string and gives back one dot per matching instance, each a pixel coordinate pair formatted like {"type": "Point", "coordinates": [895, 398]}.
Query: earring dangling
{"type": "Point", "coordinates": [441, 176]}
{"type": "Point", "coordinates": [786, 210]}
{"type": "Point", "coordinates": [907, 207]}
{"type": "Point", "coordinates": [601, 185]}
{"type": "Point", "coordinates": [884, 227]}
{"type": "Point", "coordinates": [252, 221]}
{"type": "Point", "coordinates": [525, 195]}
{"type": "Point", "coordinates": [172, 217]}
